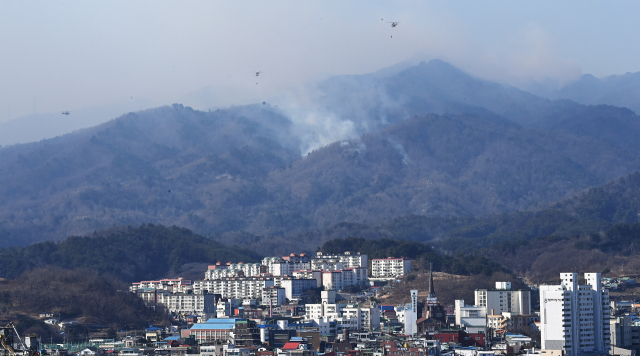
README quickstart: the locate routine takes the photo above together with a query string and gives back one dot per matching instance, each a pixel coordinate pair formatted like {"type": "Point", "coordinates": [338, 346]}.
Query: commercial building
{"type": "Point", "coordinates": [237, 331]}
{"type": "Point", "coordinates": [472, 317]}
{"type": "Point", "coordinates": [220, 330]}
{"type": "Point", "coordinates": [575, 318]}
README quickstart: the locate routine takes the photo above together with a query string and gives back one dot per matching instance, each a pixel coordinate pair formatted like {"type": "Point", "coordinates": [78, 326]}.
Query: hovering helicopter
{"type": "Point", "coordinates": [394, 24]}
{"type": "Point", "coordinates": [258, 74]}
{"type": "Point", "coordinates": [65, 112]}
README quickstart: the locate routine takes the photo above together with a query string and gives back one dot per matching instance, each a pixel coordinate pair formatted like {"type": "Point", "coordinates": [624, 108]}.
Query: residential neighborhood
{"type": "Point", "coordinates": [333, 305]}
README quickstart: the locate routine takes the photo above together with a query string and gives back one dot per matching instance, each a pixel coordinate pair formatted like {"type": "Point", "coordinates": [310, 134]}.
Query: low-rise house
{"type": "Point", "coordinates": [154, 334]}
{"type": "Point", "coordinates": [90, 351]}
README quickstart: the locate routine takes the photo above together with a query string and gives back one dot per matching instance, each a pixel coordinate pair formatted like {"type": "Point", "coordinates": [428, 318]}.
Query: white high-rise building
{"type": "Point", "coordinates": [575, 318]}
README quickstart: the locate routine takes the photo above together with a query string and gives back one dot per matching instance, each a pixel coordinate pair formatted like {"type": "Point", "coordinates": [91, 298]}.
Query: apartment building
{"type": "Point", "coordinates": [355, 276]}
{"type": "Point", "coordinates": [187, 303]}
{"type": "Point", "coordinates": [341, 279]}
{"type": "Point", "coordinates": [332, 280]}
{"type": "Point", "coordinates": [150, 295]}
{"type": "Point", "coordinates": [504, 300]}
{"type": "Point", "coordinates": [274, 296]}
{"type": "Point", "coordinates": [358, 318]}
{"type": "Point", "coordinates": [390, 267]}
{"type": "Point", "coordinates": [234, 287]}
{"type": "Point", "coordinates": [177, 285]}
{"type": "Point", "coordinates": [348, 259]}
{"type": "Point", "coordinates": [294, 287]}
{"type": "Point", "coordinates": [284, 266]}
{"type": "Point", "coordinates": [575, 318]}
{"type": "Point", "coordinates": [240, 269]}
{"type": "Point", "coordinates": [309, 274]}
{"type": "Point", "coordinates": [326, 264]}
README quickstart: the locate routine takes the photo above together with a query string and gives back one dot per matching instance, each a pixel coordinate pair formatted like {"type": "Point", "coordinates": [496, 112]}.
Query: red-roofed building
{"type": "Point", "coordinates": [291, 346]}
{"type": "Point", "coordinates": [460, 337]}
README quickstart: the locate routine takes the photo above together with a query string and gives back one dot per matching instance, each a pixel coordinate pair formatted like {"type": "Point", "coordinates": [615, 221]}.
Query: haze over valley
{"type": "Point", "coordinates": [427, 140]}
{"type": "Point", "coordinates": [319, 178]}
{"type": "Point", "coordinates": [270, 129]}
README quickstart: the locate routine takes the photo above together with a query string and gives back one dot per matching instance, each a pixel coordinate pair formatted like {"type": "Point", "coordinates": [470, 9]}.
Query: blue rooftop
{"type": "Point", "coordinates": [217, 324]}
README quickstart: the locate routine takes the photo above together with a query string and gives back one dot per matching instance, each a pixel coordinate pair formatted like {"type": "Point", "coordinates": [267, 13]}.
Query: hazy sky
{"type": "Point", "coordinates": [66, 55]}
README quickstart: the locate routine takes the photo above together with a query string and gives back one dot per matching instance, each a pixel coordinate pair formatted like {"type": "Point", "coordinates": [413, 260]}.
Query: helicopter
{"type": "Point", "coordinates": [65, 112]}
{"type": "Point", "coordinates": [258, 74]}
{"type": "Point", "coordinates": [394, 24]}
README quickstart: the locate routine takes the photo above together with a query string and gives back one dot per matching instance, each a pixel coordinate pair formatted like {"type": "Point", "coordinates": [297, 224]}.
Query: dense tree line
{"type": "Point", "coordinates": [82, 295]}
{"type": "Point", "coordinates": [423, 254]}
{"type": "Point", "coordinates": [131, 254]}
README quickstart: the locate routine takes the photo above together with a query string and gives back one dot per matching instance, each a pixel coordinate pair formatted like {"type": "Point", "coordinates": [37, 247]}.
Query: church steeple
{"type": "Point", "coordinates": [432, 291]}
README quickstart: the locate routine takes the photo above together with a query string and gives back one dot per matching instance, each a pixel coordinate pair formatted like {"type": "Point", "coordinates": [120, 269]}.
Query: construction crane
{"type": "Point", "coordinates": [8, 336]}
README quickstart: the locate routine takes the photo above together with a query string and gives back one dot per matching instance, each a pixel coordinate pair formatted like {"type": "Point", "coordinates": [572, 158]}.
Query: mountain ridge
{"type": "Point", "coordinates": [239, 170]}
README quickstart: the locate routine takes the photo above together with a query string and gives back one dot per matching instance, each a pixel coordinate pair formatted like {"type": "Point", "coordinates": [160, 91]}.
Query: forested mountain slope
{"type": "Point", "coordinates": [375, 100]}
{"type": "Point", "coordinates": [147, 252]}
{"type": "Point", "coordinates": [159, 165]}
{"type": "Point", "coordinates": [237, 173]}
{"type": "Point", "coordinates": [447, 166]}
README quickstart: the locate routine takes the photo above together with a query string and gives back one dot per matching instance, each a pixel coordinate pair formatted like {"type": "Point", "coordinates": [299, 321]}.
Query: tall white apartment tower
{"type": "Point", "coordinates": [575, 318]}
